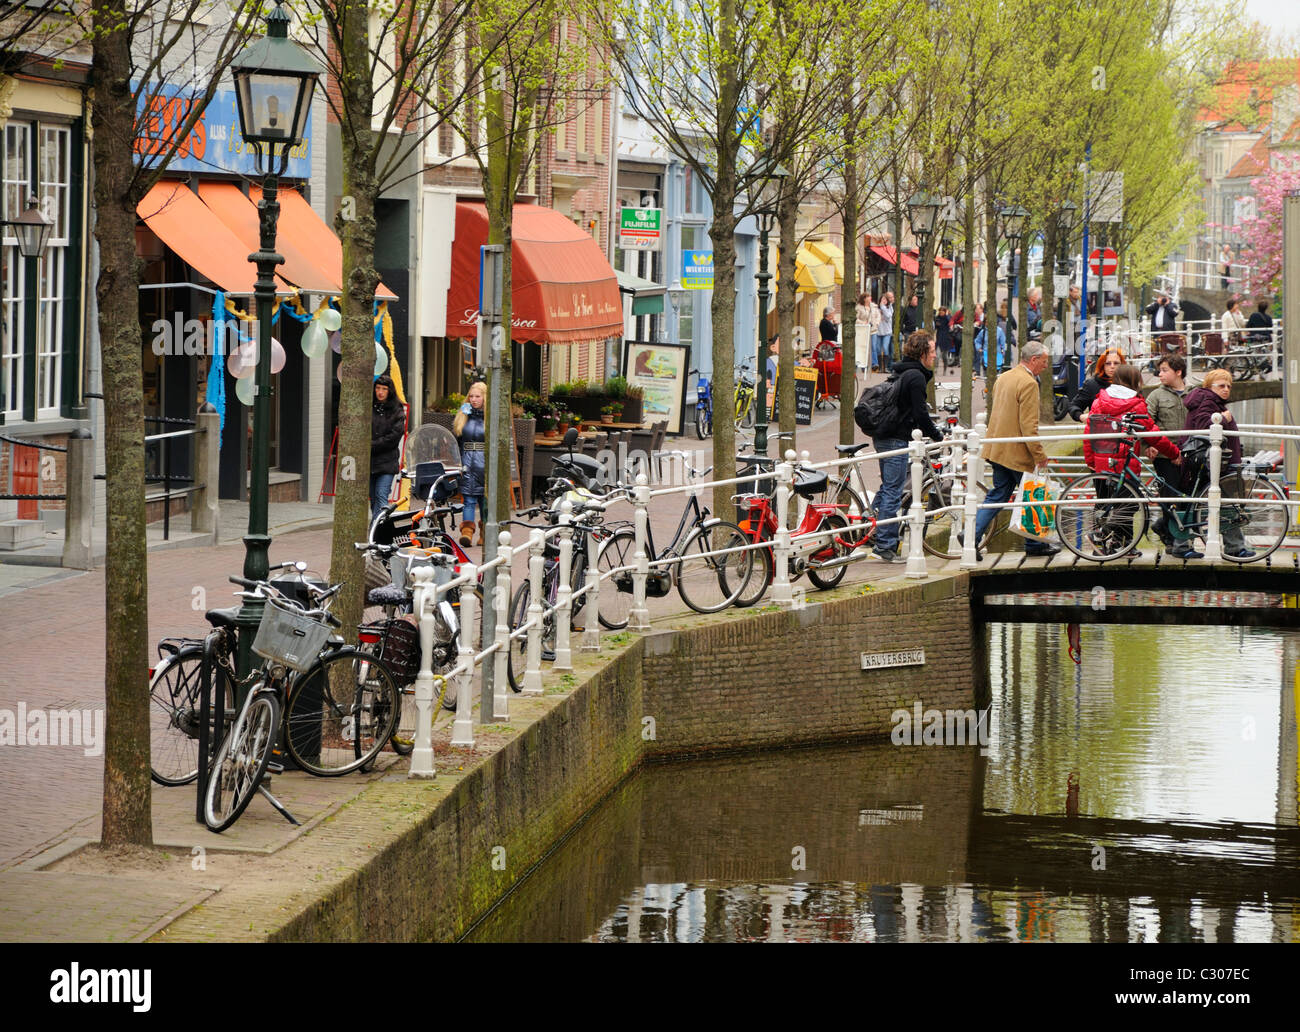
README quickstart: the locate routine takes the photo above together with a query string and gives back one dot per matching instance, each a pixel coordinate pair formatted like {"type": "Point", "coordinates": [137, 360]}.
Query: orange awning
{"type": "Point", "coordinates": [240, 215]}
{"type": "Point", "coordinates": [313, 238]}
{"type": "Point", "coordinates": [909, 262]}
{"type": "Point", "coordinates": [205, 243]}
{"type": "Point", "coordinates": [563, 290]}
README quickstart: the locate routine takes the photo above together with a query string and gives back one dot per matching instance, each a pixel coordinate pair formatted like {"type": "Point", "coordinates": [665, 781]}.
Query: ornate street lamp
{"type": "Point", "coordinates": [32, 231]}
{"type": "Point", "coordinates": [924, 214]}
{"type": "Point", "coordinates": [1066, 219]}
{"type": "Point", "coordinates": [765, 209]}
{"type": "Point", "coordinates": [274, 81]}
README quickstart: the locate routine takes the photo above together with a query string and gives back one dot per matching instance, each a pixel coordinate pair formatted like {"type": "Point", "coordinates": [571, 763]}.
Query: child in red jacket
{"type": "Point", "coordinates": [1120, 399]}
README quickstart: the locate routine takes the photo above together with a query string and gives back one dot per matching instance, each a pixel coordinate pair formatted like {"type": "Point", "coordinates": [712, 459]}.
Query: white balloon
{"type": "Point", "coordinates": [277, 356]}
{"type": "Point", "coordinates": [314, 339]}
{"type": "Point", "coordinates": [381, 359]}
{"type": "Point", "coordinates": [246, 390]}
{"type": "Point", "coordinates": [242, 362]}
{"type": "Point", "coordinates": [331, 319]}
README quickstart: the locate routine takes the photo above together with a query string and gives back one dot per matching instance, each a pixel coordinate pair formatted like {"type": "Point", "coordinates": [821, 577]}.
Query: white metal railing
{"type": "Point", "coordinates": [1249, 353]}
{"type": "Point", "coordinates": [963, 462]}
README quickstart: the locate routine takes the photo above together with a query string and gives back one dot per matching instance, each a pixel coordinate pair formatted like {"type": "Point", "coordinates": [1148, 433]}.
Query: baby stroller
{"type": "Point", "coordinates": [829, 361]}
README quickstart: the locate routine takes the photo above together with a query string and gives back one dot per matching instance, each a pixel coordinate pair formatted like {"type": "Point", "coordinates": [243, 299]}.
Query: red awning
{"type": "Point", "coordinates": [945, 268]}
{"type": "Point", "coordinates": [188, 226]}
{"type": "Point", "coordinates": [909, 262]}
{"type": "Point", "coordinates": [562, 287]}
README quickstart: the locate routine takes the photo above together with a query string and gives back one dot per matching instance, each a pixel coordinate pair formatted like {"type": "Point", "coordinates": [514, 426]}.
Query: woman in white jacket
{"type": "Point", "coordinates": [866, 324]}
{"type": "Point", "coordinates": [1233, 323]}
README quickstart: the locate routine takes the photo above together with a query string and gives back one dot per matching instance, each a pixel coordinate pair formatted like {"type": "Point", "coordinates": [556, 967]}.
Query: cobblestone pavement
{"type": "Point", "coordinates": [51, 658]}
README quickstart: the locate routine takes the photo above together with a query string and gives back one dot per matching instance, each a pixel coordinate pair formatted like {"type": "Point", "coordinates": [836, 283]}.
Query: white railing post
{"type": "Point", "coordinates": [501, 603]}
{"type": "Point", "coordinates": [462, 731]}
{"type": "Point", "coordinates": [974, 473]}
{"type": "Point", "coordinates": [422, 754]}
{"type": "Point", "coordinates": [591, 600]}
{"type": "Point", "coordinates": [781, 593]}
{"type": "Point", "coordinates": [533, 663]}
{"type": "Point", "coordinates": [958, 491]}
{"type": "Point", "coordinates": [639, 616]}
{"type": "Point", "coordinates": [1213, 539]}
{"type": "Point", "coordinates": [916, 516]}
{"type": "Point", "coordinates": [564, 592]}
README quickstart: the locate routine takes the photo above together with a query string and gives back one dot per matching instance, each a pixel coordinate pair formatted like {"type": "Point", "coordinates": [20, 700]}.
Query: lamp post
{"type": "Point", "coordinates": [32, 231]}
{"type": "Point", "coordinates": [677, 297]}
{"type": "Point", "coordinates": [769, 194]}
{"type": "Point", "coordinates": [1013, 228]}
{"type": "Point", "coordinates": [923, 209]}
{"type": "Point", "coordinates": [274, 80]}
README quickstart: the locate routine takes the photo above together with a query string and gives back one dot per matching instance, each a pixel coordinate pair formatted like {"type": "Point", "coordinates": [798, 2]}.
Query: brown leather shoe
{"type": "Point", "coordinates": [482, 524]}
{"type": "Point", "coordinates": [466, 533]}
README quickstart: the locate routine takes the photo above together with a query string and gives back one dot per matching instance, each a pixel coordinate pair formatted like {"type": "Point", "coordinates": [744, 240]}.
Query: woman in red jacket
{"type": "Point", "coordinates": [1112, 403]}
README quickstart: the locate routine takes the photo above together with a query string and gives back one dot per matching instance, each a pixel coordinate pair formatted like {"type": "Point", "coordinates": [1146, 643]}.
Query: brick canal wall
{"type": "Point", "coordinates": [748, 681]}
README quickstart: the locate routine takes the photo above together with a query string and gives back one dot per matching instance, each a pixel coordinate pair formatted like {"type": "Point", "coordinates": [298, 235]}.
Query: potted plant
{"type": "Point", "coordinates": [545, 424]}
{"type": "Point", "coordinates": [632, 404]}
{"type": "Point", "coordinates": [611, 412]}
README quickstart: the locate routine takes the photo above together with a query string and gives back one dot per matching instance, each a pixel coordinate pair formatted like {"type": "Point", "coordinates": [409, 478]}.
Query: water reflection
{"type": "Point", "coordinates": [1148, 795]}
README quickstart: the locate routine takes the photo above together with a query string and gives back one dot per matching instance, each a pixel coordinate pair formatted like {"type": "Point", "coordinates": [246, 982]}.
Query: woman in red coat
{"type": "Point", "coordinates": [1123, 398]}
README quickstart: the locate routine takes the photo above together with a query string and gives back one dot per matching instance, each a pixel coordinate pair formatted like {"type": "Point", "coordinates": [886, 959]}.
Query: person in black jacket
{"type": "Point", "coordinates": [1163, 313]}
{"type": "Point", "coordinates": [387, 424]}
{"type": "Point", "coordinates": [911, 317]}
{"type": "Point", "coordinates": [913, 373]}
{"type": "Point", "coordinates": [1261, 323]}
{"type": "Point", "coordinates": [1105, 368]}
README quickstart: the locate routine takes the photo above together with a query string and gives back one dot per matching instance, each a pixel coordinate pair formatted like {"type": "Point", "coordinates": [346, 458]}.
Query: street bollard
{"type": "Point", "coordinates": [462, 731]}
{"type": "Point", "coordinates": [533, 663]}
{"type": "Point", "coordinates": [422, 754]}
{"type": "Point", "coordinates": [639, 616]}
{"type": "Point", "coordinates": [501, 603]}
{"type": "Point", "coordinates": [564, 592]}
{"type": "Point", "coordinates": [204, 512]}
{"type": "Point", "coordinates": [781, 550]}
{"type": "Point", "coordinates": [974, 472]}
{"type": "Point", "coordinates": [591, 601]}
{"type": "Point", "coordinates": [78, 550]}
{"type": "Point", "coordinates": [916, 516]}
{"type": "Point", "coordinates": [1213, 538]}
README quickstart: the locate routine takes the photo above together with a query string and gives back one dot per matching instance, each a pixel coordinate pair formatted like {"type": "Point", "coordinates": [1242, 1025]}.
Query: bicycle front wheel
{"type": "Point", "coordinates": [174, 696]}
{"type": "Point", "coordinates": [708, 584]}
{"type": "Point", "coordinates": [517, 659]}
{"type": "Point", "coordinates": [1098, 517]}
{"type": "Point", "coordinates": [834, 548]}
{"type": "Point", "coordinates": [703, 424]}
{"type": "Point", "coordinates": [341, 712]}
{"type": "Point", "coordinates": [241, 761]}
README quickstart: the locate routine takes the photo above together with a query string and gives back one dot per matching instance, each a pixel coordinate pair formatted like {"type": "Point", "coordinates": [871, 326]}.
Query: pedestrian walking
{"type": "Point", "coordinates": [913, 372]}
{"type": "Point", "coordinates": [1014, 413]}
{"type": "Point", "coordinates": [1165, 404]}
{"type": "Point", "coordinates": [470, 428]}
{"type": "Point", "coordinates": [387, 425]}
{"type": "Point", "coordinates": [1202, 403]}
{"type": "Point", "coordinates": [1260, 324]}
{"type": "Point", "coordinates": [1232, 323]}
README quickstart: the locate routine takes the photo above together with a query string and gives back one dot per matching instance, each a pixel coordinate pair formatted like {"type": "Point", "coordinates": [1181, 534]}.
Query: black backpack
{"type": "Point", "coordinates": [876, 412]}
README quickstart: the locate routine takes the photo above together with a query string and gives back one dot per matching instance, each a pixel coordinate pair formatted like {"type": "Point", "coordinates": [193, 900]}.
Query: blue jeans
{"type": "Point", "coordinates": [882, 352]}
{"type": "Point", "coordinates": [473, 505]}
{"type": "Point", "coordinates": [1005, 482]}
{"type": "Point", "coordinates": [380, 485]}
{"type": "Point", "coordinates": [893, 475]}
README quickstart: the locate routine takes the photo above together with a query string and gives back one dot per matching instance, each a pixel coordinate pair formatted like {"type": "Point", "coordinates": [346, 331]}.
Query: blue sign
{"type": "Point", "coordinates": [215, 144]}
{"type": "Point", "coordinates": [697, 270]}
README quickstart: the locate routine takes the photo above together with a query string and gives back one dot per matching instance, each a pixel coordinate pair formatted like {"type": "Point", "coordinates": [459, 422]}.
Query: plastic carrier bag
{"type": "Point", "coordinates": [1031, 518]}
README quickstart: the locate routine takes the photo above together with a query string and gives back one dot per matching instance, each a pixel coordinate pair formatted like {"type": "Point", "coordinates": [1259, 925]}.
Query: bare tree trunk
{"type": "Point", "coordinates": [788, 215]}
{"type": "Point", "coordinates": [990, 290]}
{"type": "Point", "coordinates": [127, 816]}
{"type": "Point", "coordinates": [848, 328]}
{"type": "Point", "coordinates": [356, 392]}
{"type": "Point", "coordinates": [968, 313]}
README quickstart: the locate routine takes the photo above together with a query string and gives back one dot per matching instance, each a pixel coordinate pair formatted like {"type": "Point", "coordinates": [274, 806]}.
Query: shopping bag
{"type": "Point", "coordinates": [1031, 518]}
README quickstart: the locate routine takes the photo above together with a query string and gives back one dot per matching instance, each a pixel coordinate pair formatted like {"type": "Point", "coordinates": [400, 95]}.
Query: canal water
{"type": "Point", "coordinates": [1148, 793]}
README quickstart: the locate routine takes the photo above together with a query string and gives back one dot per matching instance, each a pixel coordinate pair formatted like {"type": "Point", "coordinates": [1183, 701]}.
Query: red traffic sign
{"type": "Point", "coordinates": [1103, 262]}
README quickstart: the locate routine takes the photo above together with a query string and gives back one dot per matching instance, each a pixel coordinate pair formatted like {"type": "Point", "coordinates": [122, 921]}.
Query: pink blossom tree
{"type": "Point", "coordinates": [1262, 252]}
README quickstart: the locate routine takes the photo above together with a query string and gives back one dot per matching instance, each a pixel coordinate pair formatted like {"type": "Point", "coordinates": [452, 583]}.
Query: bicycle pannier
{"type": "Point", "coordinates": [1099, 424]}
{"type": "Point", "coordinates": [876, 412]}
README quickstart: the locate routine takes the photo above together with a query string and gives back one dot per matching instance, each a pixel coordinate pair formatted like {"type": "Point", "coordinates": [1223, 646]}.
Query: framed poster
{"type": "Point", "coordinates": [660, 371]}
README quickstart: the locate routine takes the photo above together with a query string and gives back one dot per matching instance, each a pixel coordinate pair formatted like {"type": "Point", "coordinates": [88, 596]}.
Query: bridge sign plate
{"type": "Point", "coordinates": [880, 660]}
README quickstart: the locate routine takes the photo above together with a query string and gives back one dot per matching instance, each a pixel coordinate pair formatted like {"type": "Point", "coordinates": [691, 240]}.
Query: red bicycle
{"type": "Point", "coordinates": [824, 557]}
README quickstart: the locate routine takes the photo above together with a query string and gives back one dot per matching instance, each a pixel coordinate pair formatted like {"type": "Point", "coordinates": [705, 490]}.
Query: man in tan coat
{"type": "Point", "coordinates": [1015, 414]}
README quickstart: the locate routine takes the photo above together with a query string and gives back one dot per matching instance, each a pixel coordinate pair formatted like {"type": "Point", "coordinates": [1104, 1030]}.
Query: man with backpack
{"type": "Point", "coordinates": [888, 413]}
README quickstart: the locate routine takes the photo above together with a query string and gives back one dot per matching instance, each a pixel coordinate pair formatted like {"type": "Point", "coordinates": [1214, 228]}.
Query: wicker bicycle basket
{"type": "Point", "coordinates": [289, 636]}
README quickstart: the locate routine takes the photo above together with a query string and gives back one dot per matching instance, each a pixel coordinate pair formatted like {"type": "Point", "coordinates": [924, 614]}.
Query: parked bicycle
{"type": "Point", "coordinates": [703, 406]}
{"type": "Point", "coordinates": [1104, 516]}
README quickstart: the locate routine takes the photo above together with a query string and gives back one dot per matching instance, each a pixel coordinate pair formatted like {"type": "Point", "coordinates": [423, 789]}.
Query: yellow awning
{"type": "Point", "coordinates": [812, 275]}
{"type": "Point", "coordinates": [829, 253]}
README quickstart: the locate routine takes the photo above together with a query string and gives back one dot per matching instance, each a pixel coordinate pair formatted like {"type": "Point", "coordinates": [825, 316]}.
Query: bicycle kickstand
{"type": "Point", "coordinates": [279, 806]}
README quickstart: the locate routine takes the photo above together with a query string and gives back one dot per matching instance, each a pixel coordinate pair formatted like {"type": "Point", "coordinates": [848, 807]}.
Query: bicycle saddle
{"type": "Point", "coordinates": [222, 617]}
{"type": "Point", "coordinates": [852, 449]}
{"type": "Point", "coordinates": [387, 595]}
